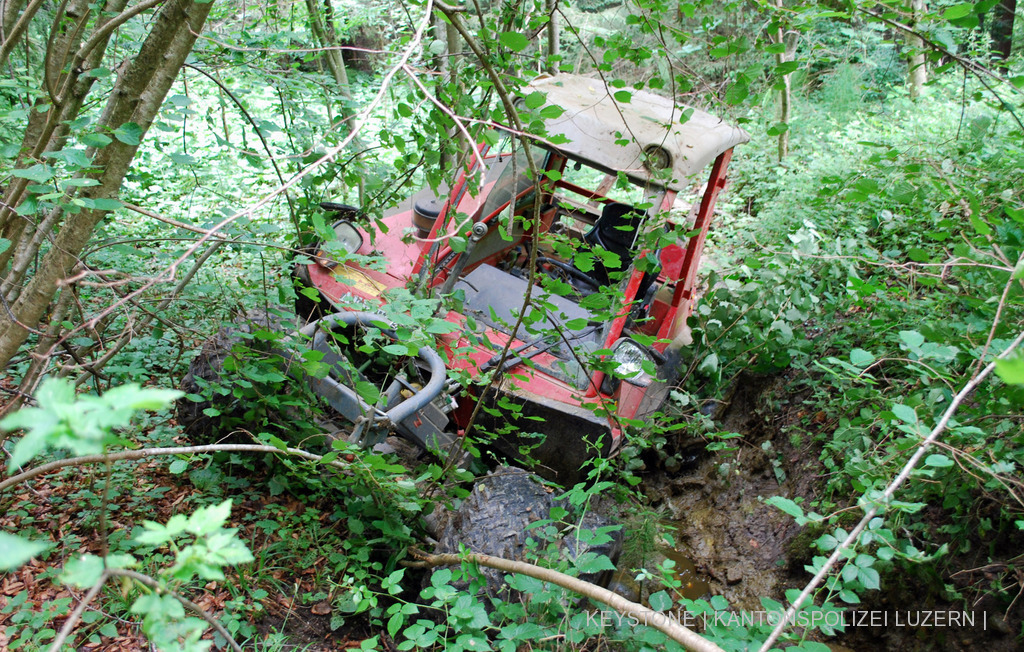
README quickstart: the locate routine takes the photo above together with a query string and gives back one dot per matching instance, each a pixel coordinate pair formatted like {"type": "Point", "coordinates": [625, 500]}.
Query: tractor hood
{"type": "Point", "coordinates": [635, 136]}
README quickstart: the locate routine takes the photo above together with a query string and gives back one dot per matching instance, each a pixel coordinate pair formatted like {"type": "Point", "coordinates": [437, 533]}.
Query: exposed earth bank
{"type": "Point", "coordinates": [732, 544]}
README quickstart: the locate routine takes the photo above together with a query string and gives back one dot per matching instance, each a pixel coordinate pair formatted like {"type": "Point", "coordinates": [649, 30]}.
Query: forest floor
{"type": "Point", "coordinates": [729, 543]}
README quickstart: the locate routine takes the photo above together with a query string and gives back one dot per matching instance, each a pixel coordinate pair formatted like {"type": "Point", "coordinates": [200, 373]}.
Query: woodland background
{"type": "Point", "coordinates": [161, 168]}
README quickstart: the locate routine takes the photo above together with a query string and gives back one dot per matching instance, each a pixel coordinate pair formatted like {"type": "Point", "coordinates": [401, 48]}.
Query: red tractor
{"type": "Point", "coordinates": [589, 236]}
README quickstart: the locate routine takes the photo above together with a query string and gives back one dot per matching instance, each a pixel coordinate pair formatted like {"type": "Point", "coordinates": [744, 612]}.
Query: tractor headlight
{"type": "Point", "coordinates": [629, 358]}
{"type": "Point", "coordinates": [347, 240]}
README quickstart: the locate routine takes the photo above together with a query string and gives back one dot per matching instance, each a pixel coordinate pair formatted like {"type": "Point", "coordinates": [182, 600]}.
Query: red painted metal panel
{"type": "Point", "coordinates": [682, 299]}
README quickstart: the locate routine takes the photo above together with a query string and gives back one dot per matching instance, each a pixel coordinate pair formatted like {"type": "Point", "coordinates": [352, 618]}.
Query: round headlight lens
{"type": "Point", "coordinates": [347, 240]}
{"type": "Point", "coordinates": [657, 158]}
{"type": "Point", "coordinates": [629, 358]}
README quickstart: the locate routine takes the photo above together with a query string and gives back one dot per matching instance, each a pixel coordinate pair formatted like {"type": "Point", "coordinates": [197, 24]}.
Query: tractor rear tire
{"type": "Point", "coordinates": [494, 519]}
{"type": "Point", "coordinates": [208, 368]}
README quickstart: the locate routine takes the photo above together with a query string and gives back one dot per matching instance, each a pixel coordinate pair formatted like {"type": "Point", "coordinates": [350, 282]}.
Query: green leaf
{"type": "Point", "coordinates": [132, 397]}
{"type": "Point", "coordinates": [591, 562]}
{"type": "Point", "coordinates": [178, 467]}
{"type": "Point", "coordinates": [15, 551]}
{"type": "Point", "coordinates": [912, 339]}
{"type": "Point", "coordinates": [787, 67]}
{"type": "Point", "coordinates": [395, 623]}
{"type": "Point", "coordinates": [786, 505]}
{"type": "Point", "coordinates": [96, 140]}
{"type": "Point", "coordinates": [440, 327]}
{"type": "Point", "coordinates": [623, 96]}
{"type": "Point", "coordinates": [918, 255]}
{"type": "Point", "coordinates": [861, 358]}
{"type": "Point", "coordinates": [904, 413]}
{"type": "Point", "coordinates": [979, 224]}
{"type": "Point", "coordinates": [1018, 270]}
{"type": "Point", "coordinates": [514, 41]}
{"type": "Point", "coordinates": [939, 461]}
{"type": "Point", "coordinates": [1011, 370]}
{"type": "Point", "coordinates": [709, 364]}
{"type": "Point", "coordinates": [660, 601]}
{"type": "Point", "coordinates": [129, 133]}
{"type": "Point", "coordinates": [155, 534]}
{"type": "Point", "coordinates": [83, 571]}
{"type": "Point", "coordinates": [958, 11]}
{"type": "Point", "coordinates": [551, 112]}
{"type": "Point", "coordinates": [737, 93]}
{"type": "Point", "coordinates": [868, 577]}
{"type": "Point", "coordinates": [40, 173]}
{"type": "Point", "coordinates": [535, 100]}
{"type": "Point", "coordinates": [457, 243]}
{"type": "Point", "coordinates": [826, 543]}
{"type": "Point", "coordinates": [208, 519]}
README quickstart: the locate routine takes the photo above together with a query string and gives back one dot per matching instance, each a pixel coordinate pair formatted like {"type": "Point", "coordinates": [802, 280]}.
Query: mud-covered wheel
{"type": "Point", "coordinates": [494, 520]}
{"type": "Point", "coordinates": [226, 363]}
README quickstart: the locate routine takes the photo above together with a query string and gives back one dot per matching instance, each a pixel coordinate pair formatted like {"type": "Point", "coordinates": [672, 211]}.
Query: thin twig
{"type": "Point", "coordinates": [174, 450]}
{"type": "Point", "coordinates": [167, 220]}
{"type": "Point", "coordinates": [76, 615]}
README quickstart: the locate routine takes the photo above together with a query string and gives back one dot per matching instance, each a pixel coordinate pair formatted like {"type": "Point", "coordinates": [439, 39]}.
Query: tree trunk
{"type": "Point", "coordinates": [442, 63]}
{"type": "Point", "coordinates": [552, 30]}
{"type": "Point", "coordinates": [917, 72]}
{"type": "Point", "coordinates": [452, 58]}
{"type": "Point", "coordinates": [9, 10]}
{"type": "Point", "coordinates": [1002, 28]}
{"type": "Point", "coordinates": [327, 38]}
{"type": "Point", "coordinates": [14, 26]}
{"type": "Point", "coordinates": [136, 98]}
{"type": "Point", "coordinates": [47, 131]}
{"type": "Point", "coordinates": [788, 39]}
{"type": "Point", "coordinates": [323, 29]}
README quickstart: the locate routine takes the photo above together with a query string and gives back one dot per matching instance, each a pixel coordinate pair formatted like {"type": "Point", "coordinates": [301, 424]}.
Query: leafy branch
{"type": "Point", "coordinates": [880, 501]}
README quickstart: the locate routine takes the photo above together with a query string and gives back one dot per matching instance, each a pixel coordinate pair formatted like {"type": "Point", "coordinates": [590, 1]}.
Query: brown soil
{"type": "Point", "coordinates": [742, 549]}
{"type": "Point", "coordinates": [736, 542]}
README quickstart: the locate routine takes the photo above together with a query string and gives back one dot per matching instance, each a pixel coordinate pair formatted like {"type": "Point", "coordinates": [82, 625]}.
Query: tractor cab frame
{"type": "Point", "coordinates": [574, 264]}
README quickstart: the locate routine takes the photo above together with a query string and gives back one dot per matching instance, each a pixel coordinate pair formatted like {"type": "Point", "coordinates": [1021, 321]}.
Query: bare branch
{"type": "Point", "coordinates": [76, 615]}
{"type": "Point", "coordinates": [143, 453]}
{"type": "Point", "coordinates": [167, 220]}
{"type": "Point", "coordinates": [660, 621]}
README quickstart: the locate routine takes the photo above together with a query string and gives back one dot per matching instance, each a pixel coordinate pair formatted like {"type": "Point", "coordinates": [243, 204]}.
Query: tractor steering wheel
{"type": "Point", "coordinates": [570, 270]}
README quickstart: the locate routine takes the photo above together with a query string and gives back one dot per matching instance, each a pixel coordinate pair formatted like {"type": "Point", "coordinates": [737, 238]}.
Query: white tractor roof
{"type": "Point", "coordinates": [613, 135]}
